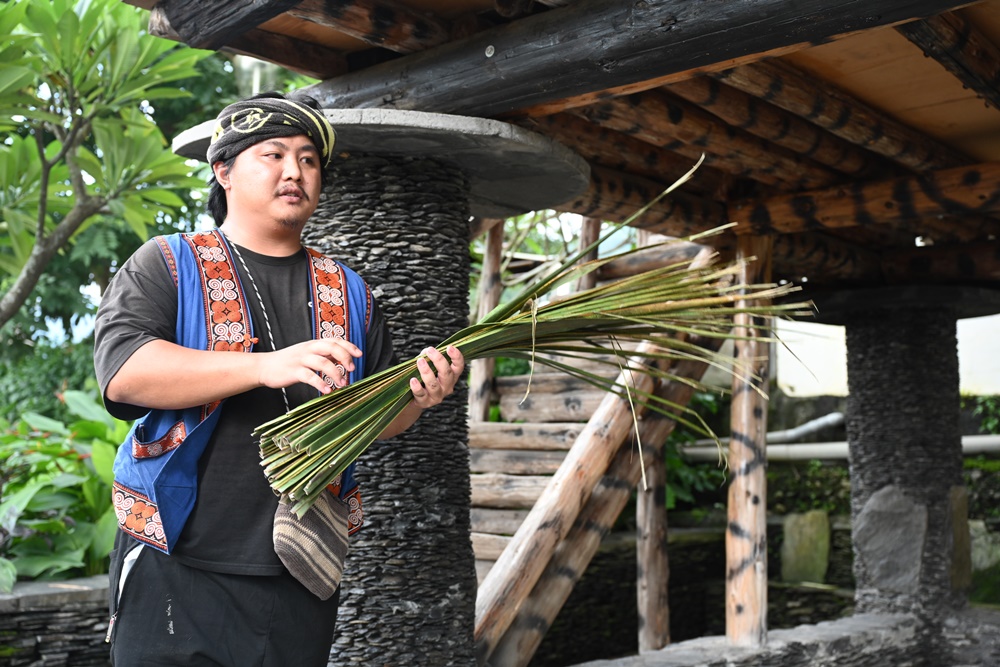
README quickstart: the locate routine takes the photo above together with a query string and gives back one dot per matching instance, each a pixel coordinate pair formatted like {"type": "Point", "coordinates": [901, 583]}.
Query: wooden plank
{"type": "Point", "coordinates": [537, 407]}
{"type": "Point", "coordinates": [507, 491]}
{"type": "Point", "coordinates": [502, 435]}
{"type": "Point", "coordinates": [211, 25]}
{"type": "Point", "coordinates": [547, 383]}
{"type": "Point", "coordinates": [675, 124]}
{"type": "Point", "coordinates": [488, 547]}
{"type": "Point", "coordinates": [746, 536]}
{"type": "Point", "coordinates": [647, 259]}
{"type": "Point", "coordinates": [483, 568]}
{"type": "Point", "coordinates": [962, 50]}
{"type": "Point", "coordinates": [515, 461]}
{"type": "Point", "coordinates": [840, 113]}
{"type": "Point", "coordinates": [824, 259]}
{"type": "Point", "coordinates": [971, 190]}
{"type": "Point", "coordinates": [596, 45]}
{"type": "Point", "coordinates": [383, 23]}
{"type": "Point", "coordinates": [496, 521]}
{"type": "Point", "coordinates": [489, 290]}
{"type": "Point", "coordinates": [590, 231]}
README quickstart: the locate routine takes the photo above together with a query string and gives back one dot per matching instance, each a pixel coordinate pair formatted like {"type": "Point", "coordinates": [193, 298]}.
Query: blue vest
{"type": "Point", "coordinates": [156, 468]}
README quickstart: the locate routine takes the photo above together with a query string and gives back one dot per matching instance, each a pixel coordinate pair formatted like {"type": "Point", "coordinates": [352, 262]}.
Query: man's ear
{"type": "Point", "coordinates": [221, 172]}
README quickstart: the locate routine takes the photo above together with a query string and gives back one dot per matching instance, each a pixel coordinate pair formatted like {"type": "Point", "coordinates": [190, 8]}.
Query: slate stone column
{"type": "Point", "coordinates": [908, 502]}
{"type": "Point", "coordinates": [408, 596]}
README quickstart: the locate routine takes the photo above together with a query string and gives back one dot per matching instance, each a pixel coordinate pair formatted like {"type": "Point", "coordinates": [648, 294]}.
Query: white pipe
{"type": "Point", "coordinates": [971, 444]}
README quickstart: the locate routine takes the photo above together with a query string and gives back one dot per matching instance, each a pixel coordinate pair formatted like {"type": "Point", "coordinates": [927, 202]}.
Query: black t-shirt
{"type": "Point", "coordinates": [230, 528]}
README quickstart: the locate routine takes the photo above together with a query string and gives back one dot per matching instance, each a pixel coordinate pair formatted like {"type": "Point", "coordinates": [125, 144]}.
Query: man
{"type": "Point", "coordinates": [207, 587]}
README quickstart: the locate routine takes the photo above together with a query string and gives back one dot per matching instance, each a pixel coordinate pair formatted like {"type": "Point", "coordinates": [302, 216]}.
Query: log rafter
{"type": "Point", "coordinates": [962, 50]}
{"type": "Point", "coordinates": [836, 111]}
{"type": "Point", "coordinates": [211, 25]}
{"type": "Point", "coordinates": [778, 126]}
{"type": "Point", "coordinates": [622, 152]}
{"type": "Point", "coordinates": [678, 125]}
{"type": "Point", "coordinates": [604, 46]}
{"type": "Point", "coordinates": [383, 23]}
{"type": "Point", "coordinates": [310, 59]}
{"type": "Point", "coordinates": [972, 190]}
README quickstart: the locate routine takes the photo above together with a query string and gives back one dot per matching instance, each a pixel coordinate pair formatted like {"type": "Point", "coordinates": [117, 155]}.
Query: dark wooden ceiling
{"type": "Point", "coordinates": [863, 135]}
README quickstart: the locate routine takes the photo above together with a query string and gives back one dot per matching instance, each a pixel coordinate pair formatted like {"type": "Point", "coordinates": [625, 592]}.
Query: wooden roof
{"type": "Point", "coordinates": [863, 134]}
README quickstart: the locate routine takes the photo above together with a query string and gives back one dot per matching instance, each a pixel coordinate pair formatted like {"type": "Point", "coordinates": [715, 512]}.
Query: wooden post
{"type": "Point", "coordinates": [746, 536]}
{"type": "Point", "coordinates": [652, 560]}
{"type": "Point", "coordinates": [490, 287]}
{"type": "Point", "coordinates": [589, 233]}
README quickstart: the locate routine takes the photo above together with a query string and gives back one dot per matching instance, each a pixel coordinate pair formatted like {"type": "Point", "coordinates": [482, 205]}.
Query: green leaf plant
{"type": "Point", "coordinates": [55, 481]}
{"type": "Point", "coordinates": [78, 150]}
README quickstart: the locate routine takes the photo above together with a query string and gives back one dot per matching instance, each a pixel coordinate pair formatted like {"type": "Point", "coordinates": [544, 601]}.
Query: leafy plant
{"type": "Point", "coordinates": [686, 480]}
{"type": "Point", "coordinates": [56, 517]}
{"type": "Point", "coordinates": [987, 408]}
{"type": "Point", "coordinates": [79, 150]}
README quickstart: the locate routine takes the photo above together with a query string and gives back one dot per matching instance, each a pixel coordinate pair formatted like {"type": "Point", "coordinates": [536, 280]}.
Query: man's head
{"type": "Point", "coordinates": [264, 118]}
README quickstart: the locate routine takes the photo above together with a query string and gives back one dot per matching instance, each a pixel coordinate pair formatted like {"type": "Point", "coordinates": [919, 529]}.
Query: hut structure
{"type": "Point", "coordinates": [856, 143]}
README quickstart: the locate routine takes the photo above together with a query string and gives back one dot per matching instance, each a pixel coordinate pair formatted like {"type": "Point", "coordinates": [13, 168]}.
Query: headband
{"type": "Point", "coordinates": [248, 122]}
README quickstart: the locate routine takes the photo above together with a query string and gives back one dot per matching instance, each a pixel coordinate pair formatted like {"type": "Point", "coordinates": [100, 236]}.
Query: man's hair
{"type": "Point", "coordinates": [217, 205]}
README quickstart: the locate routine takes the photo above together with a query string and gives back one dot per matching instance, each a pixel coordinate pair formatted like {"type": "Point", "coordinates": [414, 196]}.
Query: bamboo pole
{"type": "Point", "coordinates": [490, 287]}
{"type": "Point", "coordinates": [746, 537]}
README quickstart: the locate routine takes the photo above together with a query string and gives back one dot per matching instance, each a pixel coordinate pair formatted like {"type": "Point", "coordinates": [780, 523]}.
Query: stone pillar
{"type": "Point", "coordinates": [410, 586]}
{"type": "Point", "coordinates": [908, 502]}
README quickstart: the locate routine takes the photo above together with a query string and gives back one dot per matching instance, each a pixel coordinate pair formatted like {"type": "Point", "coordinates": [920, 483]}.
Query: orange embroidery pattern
{"type": "Point", "coordinates": [138, 517]}
{"type": "Point", "coordinates": [170, 440]}
{"type": "Point", "coordinates": [225, 304]}
{"type": "Point", "coordinates": [330, 301]}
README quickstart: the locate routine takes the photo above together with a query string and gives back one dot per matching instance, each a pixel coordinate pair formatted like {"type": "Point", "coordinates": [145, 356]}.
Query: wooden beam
{"type": "Point", "coordinates": [621, 152]}
{"type": "Point", "coordinates": [306, 58]}
{"type": "Point", "coordinates": [211, 25]}
{"type": "Point", "coordinates": [824, 260]}
{"type": "Point", "coordinates": [515, 461]}
{"type": "Point", "coordinates": [962, 50]}
{"type": "Point", "coordinates": [675, 124]}
{"type": "Point", "coordinates": [960, 263]}
{"type": "Point", "coordinates": [746, 534]}
{"type": "Point", "coordinates": [647, 259]}
{"type": "Point", "coordinates": [972, 190]}
{"type": "Point", "coordinates": [596, 45]}
{"type": "Point", "coordinates": [383, 23]}
{"type": "Point", "coordinates": [614, 196]}
{"type": "Point", "coordinates": [501, 435]}
{"type": "Point", "coordinates": [843, 115]}
{"type": "Point", "coordinates": [776, 125]}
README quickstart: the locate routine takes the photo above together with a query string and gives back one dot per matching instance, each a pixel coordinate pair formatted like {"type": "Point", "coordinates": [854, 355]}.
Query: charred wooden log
{"type": "Point", "coordinates": [385, 23]}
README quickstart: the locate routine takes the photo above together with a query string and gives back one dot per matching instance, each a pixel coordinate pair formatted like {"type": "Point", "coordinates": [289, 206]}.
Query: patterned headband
{"type": "Point", "coordinates": [248, 122]}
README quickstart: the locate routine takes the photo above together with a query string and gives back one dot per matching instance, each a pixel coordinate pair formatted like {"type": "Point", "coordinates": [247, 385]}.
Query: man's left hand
{"type": "Point", "coordinates": [438, 382]}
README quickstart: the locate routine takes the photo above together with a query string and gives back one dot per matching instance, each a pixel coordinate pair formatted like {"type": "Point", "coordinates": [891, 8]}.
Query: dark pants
{"type": "Point", "coordinates": [171, 614]}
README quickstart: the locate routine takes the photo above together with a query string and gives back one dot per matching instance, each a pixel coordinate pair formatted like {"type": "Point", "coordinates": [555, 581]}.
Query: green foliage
{"type": "Point", "coordinates": [56, 517]}
{"type": "Point", "coordinates": [80, 152]}
{"type": "Point", "coordinates": [987, 408]}
{"type": "Point", "coordinates": [36, 380]}
{"type": "Point", "coordinates": [690, 484]}
{"type": "Point", "coordinates": [794, 487]}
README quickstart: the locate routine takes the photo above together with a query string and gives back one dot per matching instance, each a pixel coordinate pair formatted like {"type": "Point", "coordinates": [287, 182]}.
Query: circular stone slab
{"type": "Point", "coordinates": [510, 170]}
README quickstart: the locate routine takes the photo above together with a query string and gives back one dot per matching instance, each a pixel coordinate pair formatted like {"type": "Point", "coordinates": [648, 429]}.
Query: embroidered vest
{"type": "Point", "coordinates": [156, 468]}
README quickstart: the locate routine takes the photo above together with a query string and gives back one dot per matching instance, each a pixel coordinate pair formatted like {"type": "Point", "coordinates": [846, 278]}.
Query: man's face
{"type": "Point", "coordinates": [274, 181]}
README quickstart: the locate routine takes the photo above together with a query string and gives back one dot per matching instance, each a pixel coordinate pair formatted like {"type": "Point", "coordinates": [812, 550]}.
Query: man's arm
{"type": "Point", "coordinates": [166, 376]}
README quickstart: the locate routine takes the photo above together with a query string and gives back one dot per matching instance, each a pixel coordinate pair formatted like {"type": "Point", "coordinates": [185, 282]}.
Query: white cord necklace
{"type": "Point", "coordinates": [263, 309]}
